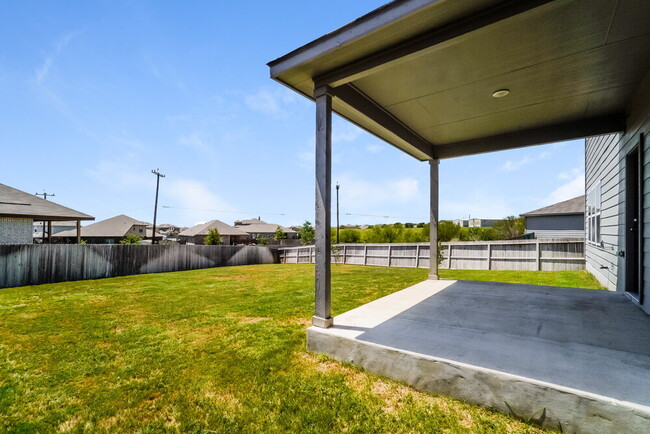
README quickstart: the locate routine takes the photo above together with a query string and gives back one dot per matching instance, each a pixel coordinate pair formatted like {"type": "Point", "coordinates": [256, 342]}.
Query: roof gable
{"type": "Point", "coordinates": [17, 203]}
{"type": "Point", "coordinates": [204, 229]}
{"type": "Point", "coordinates": [567, 207]}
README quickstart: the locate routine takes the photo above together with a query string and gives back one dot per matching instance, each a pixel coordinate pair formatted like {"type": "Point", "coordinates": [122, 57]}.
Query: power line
{"type": "Point", "coordinates": [217, 210]}
{"type": "Point", "coordinates": [381, 216]}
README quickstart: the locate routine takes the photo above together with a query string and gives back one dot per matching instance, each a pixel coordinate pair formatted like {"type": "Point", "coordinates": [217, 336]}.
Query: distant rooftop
{"type": "Point", "coordinates": [257, 226]}
{"type": "Point", "coordinates": [568, 207]}
{"type": "Point", "coordinates": [17, 203]}
{"type": "Point", "coordinates": [114, 227]}
{"type": "Point", "coordinates": [204, 228]}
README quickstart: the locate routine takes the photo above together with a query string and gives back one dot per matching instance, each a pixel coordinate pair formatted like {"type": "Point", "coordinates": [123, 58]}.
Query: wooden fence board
{"type": "Point", "coordinates": [33, 264]}
{"type": "Point", "coordinates": [549, 255]}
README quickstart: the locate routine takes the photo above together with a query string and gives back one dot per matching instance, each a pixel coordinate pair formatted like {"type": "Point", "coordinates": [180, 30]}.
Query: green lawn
{"type": "Point", "coordinates": [216, 350]}
{"type": "Point", "coordinates": [573, 279]}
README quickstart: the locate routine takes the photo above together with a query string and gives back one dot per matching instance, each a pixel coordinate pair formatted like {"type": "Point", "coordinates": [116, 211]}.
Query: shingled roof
{"type": "Point", "coordinates": [204, 228]}
{"type": "Point", "coordinates": [568, 207]}
{"type": "Point", "coordinates": [17, 203]}
{"type": "Point", "coordinates": [114, 227]}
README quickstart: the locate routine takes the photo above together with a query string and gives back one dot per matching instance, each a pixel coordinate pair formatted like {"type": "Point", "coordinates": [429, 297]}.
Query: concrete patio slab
{"type": "Point", "coordinates": [584, 355]}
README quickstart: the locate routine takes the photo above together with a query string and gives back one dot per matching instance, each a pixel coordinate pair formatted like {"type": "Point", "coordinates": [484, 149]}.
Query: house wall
{"type": "Point", "coordinates": [556, 222]}
{"type": "Point", "coordinates": [139, 230]}
{"type": "Point", "coordinates": [605, 162]}
{"type": "Point", "coordinates": [16, 230]}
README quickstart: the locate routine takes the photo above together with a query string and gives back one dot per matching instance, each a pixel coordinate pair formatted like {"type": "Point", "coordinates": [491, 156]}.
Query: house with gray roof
{"type": "Point", "coordinates": [257, 229]}
{"type": "Point", "coordinates": [229, 234]}
{"type": "Point", "coordinates": [109, 231]}
{"type": "Point", "coordinates": [564, 219]}
{"type": "Point", "coordinates": [19, 210]}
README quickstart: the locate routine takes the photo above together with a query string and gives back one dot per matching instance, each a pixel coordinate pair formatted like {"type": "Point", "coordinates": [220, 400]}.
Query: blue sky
{"type": "Point", "coordinates": [96, 94]}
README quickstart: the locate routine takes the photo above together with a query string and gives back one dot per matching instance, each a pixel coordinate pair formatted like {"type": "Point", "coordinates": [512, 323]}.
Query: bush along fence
{"type": "Point", "coordinates": [33, 264]}
{"type": "Point", "coordinates": [545, 255]}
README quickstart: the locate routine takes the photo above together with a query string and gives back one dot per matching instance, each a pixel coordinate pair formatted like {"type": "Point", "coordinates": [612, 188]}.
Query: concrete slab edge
{"type": "Point", "coordinates": [573, 410]}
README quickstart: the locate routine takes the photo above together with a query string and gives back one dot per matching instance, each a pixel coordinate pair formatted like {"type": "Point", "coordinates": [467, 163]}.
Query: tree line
{"type": "Point", "coordinates": [507, 228]}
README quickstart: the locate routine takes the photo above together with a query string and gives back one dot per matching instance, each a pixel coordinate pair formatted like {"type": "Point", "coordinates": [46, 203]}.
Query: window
{"type": "Point", "coordinates": [593, 215]}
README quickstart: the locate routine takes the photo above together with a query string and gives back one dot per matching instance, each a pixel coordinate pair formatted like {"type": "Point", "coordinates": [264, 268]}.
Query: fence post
{"type": "Point", "coordinates": [345, 252]}
{"type": "Point", "coordinates": [449, 256]}
{"type": "Point", "coordinates": [417, 256]}
{"type": "Point", "coordinates": [489, 256]}
{"type": "Point", "coordinates": [365, 254]}
{"type": "Point", "coordinates": [390, 252]}
{"type": "Point", "coordinates": [539, 256]}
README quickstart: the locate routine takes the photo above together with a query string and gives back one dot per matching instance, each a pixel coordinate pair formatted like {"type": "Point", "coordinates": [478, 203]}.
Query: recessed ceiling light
{"type": "Point", "coordinates": [501, 93]}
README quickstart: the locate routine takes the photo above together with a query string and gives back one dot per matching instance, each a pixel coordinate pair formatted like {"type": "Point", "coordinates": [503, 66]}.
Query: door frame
{"type": "Point", "coordinates": [634, 223]}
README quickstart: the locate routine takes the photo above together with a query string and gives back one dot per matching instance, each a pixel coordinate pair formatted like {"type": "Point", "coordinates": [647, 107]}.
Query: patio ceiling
{"type": "Point", "coordinates": [420, 74]}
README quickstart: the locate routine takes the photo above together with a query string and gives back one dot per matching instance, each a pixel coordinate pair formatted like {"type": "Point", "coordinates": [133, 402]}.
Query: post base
{"type": "Point", "coordinates": [323, 323]}
{"type": "Point", "coordinates": [433, 276]}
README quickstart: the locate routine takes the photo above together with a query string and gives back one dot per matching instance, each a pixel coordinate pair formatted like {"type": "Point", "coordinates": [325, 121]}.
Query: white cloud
{"type": "Point", "coordinates": [42, 72]}
{"type": "Point", "coordinates": [374, 148]}
{"type": "Point", "coordinates": [272, 102]}
{"type": "Point", "coordinates": [119, 175]}
{"type": "Point", "coordinates": [194, 141]}
{"type": "Point", "coordinates": [194, 200]}
{"type": "Point", "coordinates": [363, 196]}
{"type": "Point", "coordinates": [511, 166]}
{"type": "Point", "coordinates": [479, 206]}
{"type": "Point", "coordinates": [574, 187]}
{"type": "Point", "coordinates": [345, 132]}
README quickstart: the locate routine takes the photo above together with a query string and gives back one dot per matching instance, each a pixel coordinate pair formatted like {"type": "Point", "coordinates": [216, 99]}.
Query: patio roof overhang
{"type": "Point", "coordinates": [420, 74]}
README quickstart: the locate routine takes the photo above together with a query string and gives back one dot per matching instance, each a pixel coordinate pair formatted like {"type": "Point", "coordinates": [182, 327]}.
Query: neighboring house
{"type": "Point", "coordinates": [19, 210]}
{"type": "Point", "coordinates": [40, 228]}
{"type": "Point", "coordinates": [475, 223]}
{"type": "Point", "coordinates": [229, 234]}
{"type": "Point", "coordinates": [561, 220]}
{"type": "Point", "coordinates": [109, 231]}
{"type": "Point", "coordinates": [257, 229]}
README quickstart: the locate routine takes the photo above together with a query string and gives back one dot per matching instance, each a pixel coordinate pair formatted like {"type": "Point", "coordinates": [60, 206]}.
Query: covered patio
{"type": "Point", "coordinates": [532, 347]}
{"type": "Point", "coordinates": [448, 78]}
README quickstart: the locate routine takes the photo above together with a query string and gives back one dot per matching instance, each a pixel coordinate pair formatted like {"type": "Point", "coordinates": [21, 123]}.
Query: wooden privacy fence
{"type": "Point", "coordinates": [546, 255]}
{"type": "Point", "coordinates": [33, 264]}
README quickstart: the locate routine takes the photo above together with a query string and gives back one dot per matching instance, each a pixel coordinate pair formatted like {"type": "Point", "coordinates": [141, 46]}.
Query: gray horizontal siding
{"type": "Point", "coordinates": [605, 163]}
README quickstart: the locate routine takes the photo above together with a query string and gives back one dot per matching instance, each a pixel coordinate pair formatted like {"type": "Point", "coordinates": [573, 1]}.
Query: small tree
{"type": "Point", "coordinates": [448, 231]}
{"type": "Point", "coordinates": [307, 234]}
{"type": "Point", "coordinates": [279, 234]}
{"type": "Point", "coordinates": [213, 238]}
{"type": "Point", "coordinates": [130, 239]}
{"type": "Point", "coordinates": [350, 236]}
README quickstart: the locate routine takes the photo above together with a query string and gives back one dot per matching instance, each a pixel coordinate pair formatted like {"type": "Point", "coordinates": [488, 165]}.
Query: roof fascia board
{"type": "Point", "coordinates": [366, 65]}
{"type": "Point", "coordinates": [559, 214]}
{"type": "Point", "coordinates": [356, 99]}
{"type": "Point", "coordinates": [536, 136]}
{"type": "Point", "coordinates": [346, 34]}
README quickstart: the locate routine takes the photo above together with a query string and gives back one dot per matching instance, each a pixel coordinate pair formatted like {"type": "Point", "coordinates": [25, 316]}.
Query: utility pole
{"type": "Point", "coordinates": [45, 195]}
{"type": "Point", "coordinates": [337, 212]}
{"type": "Point", "coordinates": [155, 207]}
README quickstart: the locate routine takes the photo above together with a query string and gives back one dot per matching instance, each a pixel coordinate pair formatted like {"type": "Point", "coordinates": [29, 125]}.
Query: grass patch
{"type": "Point", "coordinates": [210, 350]}
{"type": "Point", "coordinates": [572, 279]}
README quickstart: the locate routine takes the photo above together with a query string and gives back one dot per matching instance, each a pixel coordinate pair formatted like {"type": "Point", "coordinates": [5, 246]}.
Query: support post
{"type": "Point", "coordinates": [538, 257]}
{"type": "Point", "coordinates": [78, 231]}
{"type": "Point", "coordinates": [323, 309]}
{"type": "Point", "coordinates": [434, 165]}
{"type": "Point", "coordinates": [49, 231]}
{"type": "Point", "coordinates": [489, 256]}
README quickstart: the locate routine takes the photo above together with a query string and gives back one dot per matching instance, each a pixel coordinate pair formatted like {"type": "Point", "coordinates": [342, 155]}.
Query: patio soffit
{"type": "Point", "coordinates": [421, 74]}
